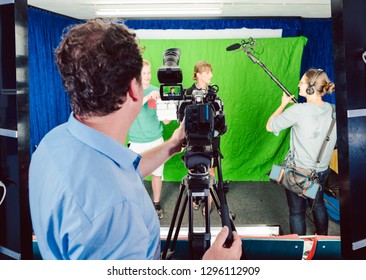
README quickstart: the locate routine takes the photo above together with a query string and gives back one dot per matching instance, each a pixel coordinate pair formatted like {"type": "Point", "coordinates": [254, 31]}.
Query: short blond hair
{"type": "Point", "coordinates": [145, 62]}
{"type": "Point", "coordinates": [200, 67]}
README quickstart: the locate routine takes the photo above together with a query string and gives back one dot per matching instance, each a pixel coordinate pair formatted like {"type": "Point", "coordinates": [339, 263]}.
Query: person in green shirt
{"type": "Point", "coordinates": [146, 132]}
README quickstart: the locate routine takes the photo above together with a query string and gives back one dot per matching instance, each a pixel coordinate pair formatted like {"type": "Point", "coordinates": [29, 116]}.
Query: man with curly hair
{"type": "Point", "coordinates": [87, 196]}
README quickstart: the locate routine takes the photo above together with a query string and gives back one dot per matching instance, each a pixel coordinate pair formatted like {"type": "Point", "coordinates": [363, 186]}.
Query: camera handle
{"type": "Point", "coordinates": [221, 190]}
{"type": "Point", "coordinates": [256, 60]}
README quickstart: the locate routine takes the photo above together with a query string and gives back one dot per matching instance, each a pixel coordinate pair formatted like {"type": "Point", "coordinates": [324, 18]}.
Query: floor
{"type": "Point", "coordinates": [260, 208]}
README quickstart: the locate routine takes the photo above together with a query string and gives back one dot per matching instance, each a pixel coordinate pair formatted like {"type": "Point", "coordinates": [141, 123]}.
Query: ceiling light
{"type": "Point", "coordinates": [154, 10]}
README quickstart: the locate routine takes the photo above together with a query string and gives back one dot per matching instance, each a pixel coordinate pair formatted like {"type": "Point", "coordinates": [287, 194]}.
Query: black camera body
{"type": "Point", "coordinates": [202, 112]}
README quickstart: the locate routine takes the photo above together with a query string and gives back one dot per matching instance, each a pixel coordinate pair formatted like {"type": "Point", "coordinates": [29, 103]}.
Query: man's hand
{"type": "Point", "coordinates": [178, 138]}
{"type": "Point", "coordinates": [218, 252]}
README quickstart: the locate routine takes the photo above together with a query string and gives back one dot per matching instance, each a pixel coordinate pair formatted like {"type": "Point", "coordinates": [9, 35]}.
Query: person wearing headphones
{"type": "Point", "coordinates": [309, 123]}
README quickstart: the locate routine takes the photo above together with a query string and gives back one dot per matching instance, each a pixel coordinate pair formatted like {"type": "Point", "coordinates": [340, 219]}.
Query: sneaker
{"type": "Point", "coordinates": [196, 206]}
{"type": "Point", "coordinates": [160, 213]}
{"type": "Point", "coordinates": [196, 203]}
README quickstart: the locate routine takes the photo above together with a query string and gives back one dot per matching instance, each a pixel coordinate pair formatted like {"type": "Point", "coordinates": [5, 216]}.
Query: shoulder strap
{"type": "Point", "coordinates": [327, 137]}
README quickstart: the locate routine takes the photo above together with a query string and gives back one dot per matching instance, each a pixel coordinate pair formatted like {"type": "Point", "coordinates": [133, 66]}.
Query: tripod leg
{"type": "Point", "coordinates": [199, 242]}
{"type": "Point", "coordinates": [180, 219]}
{"type": "Point", "coordinates": [178, 207]}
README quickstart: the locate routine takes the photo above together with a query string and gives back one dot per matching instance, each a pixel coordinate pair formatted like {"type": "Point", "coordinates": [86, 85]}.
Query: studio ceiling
{"type": "Point", "coordinates": [89, 9]}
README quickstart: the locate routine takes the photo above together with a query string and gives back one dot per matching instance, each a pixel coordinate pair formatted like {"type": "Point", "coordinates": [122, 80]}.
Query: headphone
{"type": "Point", "coordinates": [310, 90]}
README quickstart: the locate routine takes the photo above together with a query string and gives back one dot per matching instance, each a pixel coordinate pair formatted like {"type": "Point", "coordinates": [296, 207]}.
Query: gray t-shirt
{"type": "Point", "coordinates": [310, 124]}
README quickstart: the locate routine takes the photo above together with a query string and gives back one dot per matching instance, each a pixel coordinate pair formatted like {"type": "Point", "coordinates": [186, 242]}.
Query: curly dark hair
{"type": "Point", "coordinates": [97, 61]}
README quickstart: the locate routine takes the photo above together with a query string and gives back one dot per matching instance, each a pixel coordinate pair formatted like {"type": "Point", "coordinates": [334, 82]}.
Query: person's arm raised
{"type": "Point", "coordinates": [285, 100]}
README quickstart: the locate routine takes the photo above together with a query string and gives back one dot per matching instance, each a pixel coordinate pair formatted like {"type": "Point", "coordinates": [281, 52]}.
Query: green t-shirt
{"type": "Point", "coordinates": [146, 127]}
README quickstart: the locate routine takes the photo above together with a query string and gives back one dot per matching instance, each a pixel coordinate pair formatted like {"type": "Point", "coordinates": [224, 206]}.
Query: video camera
{"type": "Point", "coordinates": [202, 111]}
{"type": "Point", "coordinates": [204, 122]}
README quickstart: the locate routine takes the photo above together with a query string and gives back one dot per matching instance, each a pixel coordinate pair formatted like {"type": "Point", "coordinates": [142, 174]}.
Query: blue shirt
{"type": "Point", "coordinates": [87, 198]}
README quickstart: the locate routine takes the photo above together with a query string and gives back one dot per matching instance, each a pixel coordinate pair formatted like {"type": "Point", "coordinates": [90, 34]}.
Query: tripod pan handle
{"type": "Point", "coordinates": [226, 221]}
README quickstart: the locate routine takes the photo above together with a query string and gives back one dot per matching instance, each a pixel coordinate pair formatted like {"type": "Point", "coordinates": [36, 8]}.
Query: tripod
{"type": "Point", "coordinates": [199, 183]}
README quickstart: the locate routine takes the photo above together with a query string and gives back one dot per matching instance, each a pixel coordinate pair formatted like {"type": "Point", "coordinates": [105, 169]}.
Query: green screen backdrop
{"type": "Point", "coordinates": [249, 95]}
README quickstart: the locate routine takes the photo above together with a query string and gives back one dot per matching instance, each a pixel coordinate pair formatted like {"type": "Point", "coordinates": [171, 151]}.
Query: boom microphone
{"type": "Point", "coordinates": [233, 47]}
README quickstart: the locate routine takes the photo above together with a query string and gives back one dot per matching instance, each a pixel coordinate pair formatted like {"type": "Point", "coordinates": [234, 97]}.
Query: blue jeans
{"type": "Point", "coordinates": [297, 207]}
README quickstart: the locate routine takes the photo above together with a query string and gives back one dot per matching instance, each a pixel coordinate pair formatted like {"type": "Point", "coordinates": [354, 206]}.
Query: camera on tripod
{"type": "Point", "coordinates": [204, 122]}
{"type": "Point", "coordinates": [202, 112]}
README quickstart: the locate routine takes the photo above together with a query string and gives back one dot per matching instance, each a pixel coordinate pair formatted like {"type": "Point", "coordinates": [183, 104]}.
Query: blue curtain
{"type": "Point", "coordinates": [318, 53]}
{"type": "Point", "coordinates": [49, 105]}
{"type": "Point", "coordinates": [48, 102]}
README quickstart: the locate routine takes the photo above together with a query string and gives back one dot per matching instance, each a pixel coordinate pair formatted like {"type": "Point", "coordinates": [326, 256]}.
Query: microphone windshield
{"type": "Point", "coordinates": [233, 47]}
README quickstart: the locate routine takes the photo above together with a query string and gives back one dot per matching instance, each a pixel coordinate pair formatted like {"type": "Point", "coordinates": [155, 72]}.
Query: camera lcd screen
{"type": "Point", "coordinates": [171, 92]}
